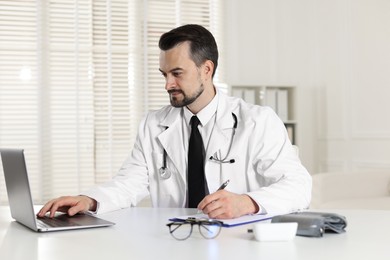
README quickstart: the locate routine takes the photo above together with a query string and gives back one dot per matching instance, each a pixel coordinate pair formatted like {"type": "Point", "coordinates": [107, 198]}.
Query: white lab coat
{"type": "Point", "coordinates": [266, 165]}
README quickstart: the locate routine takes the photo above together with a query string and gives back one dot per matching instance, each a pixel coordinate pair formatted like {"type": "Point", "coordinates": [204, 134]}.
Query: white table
{"type": "Point", "coordinates": [141, 233]}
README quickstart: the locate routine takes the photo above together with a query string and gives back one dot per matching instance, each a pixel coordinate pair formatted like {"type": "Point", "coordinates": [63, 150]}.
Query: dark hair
{"type": "Point", "coordinates": [202, 43]}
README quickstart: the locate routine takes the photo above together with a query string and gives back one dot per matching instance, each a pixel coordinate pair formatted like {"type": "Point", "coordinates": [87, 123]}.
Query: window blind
{"type": "Point", "coordinates": [68, 133]}
{"type": "Point", "coordinates": [76, 77]}
{"type": "Point", "coordinates": [19, 84]}
{"type": "Point", "coordinates": [113, 131]}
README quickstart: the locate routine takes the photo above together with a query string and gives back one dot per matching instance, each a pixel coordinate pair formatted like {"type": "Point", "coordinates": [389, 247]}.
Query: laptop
{"type": "Point", "coordinates": [21, 203]}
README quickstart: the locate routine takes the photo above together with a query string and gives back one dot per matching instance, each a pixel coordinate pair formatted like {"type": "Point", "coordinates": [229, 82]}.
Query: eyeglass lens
{"type": "Point", "coordinates": [209, 230]}
{"type": "Point", "coordinates": [182, 231]}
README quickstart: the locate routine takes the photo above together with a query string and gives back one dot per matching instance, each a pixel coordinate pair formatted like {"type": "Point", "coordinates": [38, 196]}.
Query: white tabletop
{"type": "Point", "coordinates": [141, 233]}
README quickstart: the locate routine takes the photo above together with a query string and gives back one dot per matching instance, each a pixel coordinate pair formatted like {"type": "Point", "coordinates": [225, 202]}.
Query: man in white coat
{"type": "Point", "coordinates": [243, 143]}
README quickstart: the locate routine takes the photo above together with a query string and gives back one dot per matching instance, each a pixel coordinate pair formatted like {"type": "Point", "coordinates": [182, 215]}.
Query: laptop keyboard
{"type": "Point", "coordinates": [56, 222]}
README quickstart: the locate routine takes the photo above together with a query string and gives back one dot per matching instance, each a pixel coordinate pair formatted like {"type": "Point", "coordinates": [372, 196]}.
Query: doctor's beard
{"type": "Point", "coordinates": [186, 100]}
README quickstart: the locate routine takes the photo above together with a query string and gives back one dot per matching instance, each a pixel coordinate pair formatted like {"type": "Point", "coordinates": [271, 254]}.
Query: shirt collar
{"type": "Point", "coordinates": [206, 113]}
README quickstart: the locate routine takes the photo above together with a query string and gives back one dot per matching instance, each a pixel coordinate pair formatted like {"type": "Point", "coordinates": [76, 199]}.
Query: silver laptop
{"type": "Point", "coordinates": [21, 203]}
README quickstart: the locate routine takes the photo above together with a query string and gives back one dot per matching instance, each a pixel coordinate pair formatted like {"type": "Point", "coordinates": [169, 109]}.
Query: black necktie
{"type": "Point", "coordinates": [196, 180]}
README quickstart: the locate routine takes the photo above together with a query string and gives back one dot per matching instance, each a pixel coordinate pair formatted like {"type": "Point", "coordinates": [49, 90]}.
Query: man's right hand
{"type": "Point", "coordinates": [68, 204]}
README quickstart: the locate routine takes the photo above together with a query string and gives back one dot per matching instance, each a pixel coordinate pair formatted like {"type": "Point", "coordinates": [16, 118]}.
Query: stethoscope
{"type": "Point", "coordinates": [165, 173]}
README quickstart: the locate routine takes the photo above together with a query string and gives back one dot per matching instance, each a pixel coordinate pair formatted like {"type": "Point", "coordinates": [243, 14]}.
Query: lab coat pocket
{"type": "Point", "coordinates": [156, 165]}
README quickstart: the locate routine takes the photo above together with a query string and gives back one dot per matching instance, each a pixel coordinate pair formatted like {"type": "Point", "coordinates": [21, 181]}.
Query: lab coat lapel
{"type": "Point", "coordinates": [172, 140]}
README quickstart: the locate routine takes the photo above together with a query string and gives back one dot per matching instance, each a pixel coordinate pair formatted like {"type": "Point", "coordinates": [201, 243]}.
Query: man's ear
{"type": "Point", "coordinates": [208, 68]}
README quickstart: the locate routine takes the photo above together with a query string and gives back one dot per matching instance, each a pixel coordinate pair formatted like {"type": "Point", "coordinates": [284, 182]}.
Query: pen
{"type": "Point", "coordinates": [223, 186]}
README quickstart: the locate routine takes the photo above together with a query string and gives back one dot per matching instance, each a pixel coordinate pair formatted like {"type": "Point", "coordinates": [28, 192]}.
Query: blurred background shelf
{"type": "Point", "coordinates": [280, 98]}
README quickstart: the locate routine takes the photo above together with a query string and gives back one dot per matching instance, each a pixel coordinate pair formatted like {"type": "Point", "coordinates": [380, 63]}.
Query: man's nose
{"type": "Point", "coordinates": [170, 82]}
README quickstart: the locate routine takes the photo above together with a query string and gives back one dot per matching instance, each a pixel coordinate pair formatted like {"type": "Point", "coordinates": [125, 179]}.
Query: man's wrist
{"type": "Point", "coordinates": [92, 203]}
{"type": "Point", "coordinates": [252, 206]}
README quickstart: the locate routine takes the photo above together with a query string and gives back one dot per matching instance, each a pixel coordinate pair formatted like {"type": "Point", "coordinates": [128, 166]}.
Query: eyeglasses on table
{"type": "Point", "coordinates": [181, 230]}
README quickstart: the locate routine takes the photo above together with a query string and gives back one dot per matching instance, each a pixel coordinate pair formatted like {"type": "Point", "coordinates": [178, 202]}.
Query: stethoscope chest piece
{"type": "Point", "coordinates": [164, 173]}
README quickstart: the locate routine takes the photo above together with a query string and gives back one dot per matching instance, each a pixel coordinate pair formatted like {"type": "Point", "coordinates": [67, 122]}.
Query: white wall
{"type": "Point", "coordinates": [337, 53]}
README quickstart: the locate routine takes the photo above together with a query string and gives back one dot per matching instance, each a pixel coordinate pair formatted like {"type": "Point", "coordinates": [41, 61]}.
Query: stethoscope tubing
{"type": "Point", "coordinates": [165, 173]}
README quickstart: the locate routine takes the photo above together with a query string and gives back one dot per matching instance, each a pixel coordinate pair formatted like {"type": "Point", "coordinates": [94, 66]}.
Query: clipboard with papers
{"type": "Point", "coordinates": [243, 220]}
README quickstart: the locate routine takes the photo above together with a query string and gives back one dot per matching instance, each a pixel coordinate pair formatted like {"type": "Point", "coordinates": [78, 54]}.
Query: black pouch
{"type": "Point", "coordinates": [314, 224]}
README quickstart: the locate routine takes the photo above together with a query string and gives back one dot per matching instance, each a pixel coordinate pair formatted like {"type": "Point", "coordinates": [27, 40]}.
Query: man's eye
{"type": "Point", "coordinates": [176, 74]}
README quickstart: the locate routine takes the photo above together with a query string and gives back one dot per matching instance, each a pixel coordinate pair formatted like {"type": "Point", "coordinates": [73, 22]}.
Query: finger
{"type": "Point", "coordinates": [73, 210]}
{"type": "Point", "coordinates": [79, 207]}
{"type": "Point", "coordinates": [212, 206]}
{"type": "Point", "coordinates": [216, 210]}
{"type": "Point", "coordinates": [45, 209]}
{"type": "Point", "coordinates": [61, 204]}
{"type": "Point", "coordinates": [208, 199]}
{"type": "Point", "coordinates": [48, 207]}
{"type": "Point", "coordinates": [222, 212]}
{"type": "Point", "coordinates": [82, 204]}
{"type": "Point", "coordinates": [53, 209]}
